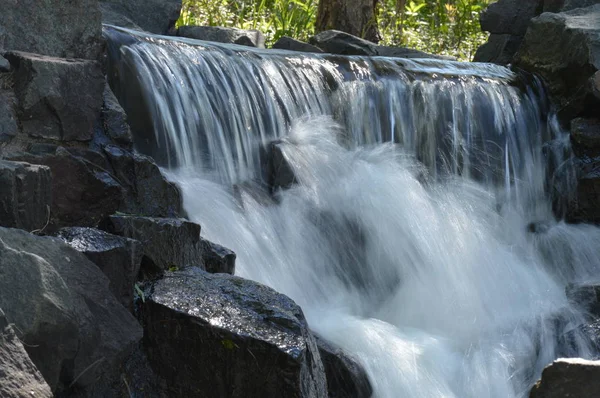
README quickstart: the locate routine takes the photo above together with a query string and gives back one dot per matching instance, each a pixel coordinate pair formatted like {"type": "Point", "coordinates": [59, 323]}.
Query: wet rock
{"type": "Point", "coordinates": [583, 207]}
{"type": "Point", "coordinates": [82, 193]}
{"type": "Point", "coordinates": [499, 49]}
{"type": "Point", "coordinates": [569, 377]}
{"type": "Point", "coordinates": [59, 99]}
{"type": "Point", "coordinates": [19, 378]}
{"type": "Point", "coordinates": [586, 296]}
{"type": "Point", "coordinates": [72, 327]}
{"type": "Point", "coordinates": [8, 115]}
{"type": "Point", "coordinates": [216, 335]}
{"type": "Point", "coordinates": [4, 65]}
{"type": "Point", "coordinates": [115, 120]}
{"type": "Point", "coordinates": [57, 28]}
{"type": "Point", "coordinates": [251, 38]}
{"type": "Point", "coordinates": [509, 16]}
{"type": "Point", "coordinates": [279, 172]}
{"type": "Point", "coordinates": [216, 258]}
{"type": "Point", "coordinates": [25, 195]}
{"type": "Point", "coordinates": [155, 16]}
{"type": "Point", "coordinates": [345, 377]}
{"type": "Point", "coordinates": [585, 136]}
{"type": "Point", "coordinates": [119, 258]}
{"type": "Point", "coordinates": [288, 43]}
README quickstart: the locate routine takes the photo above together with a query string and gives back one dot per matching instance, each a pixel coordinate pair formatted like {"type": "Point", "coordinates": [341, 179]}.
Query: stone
{"type": "Point", "coordinates": [57, 28]}
{"type": "Point", "coordinates": [595, 85]}
{"type": "Point", "coordinates": [119, 258]}
{"type": "Point", "coordinates": [569, 377]}
{"type": "Point", "coordinates": [216, 335]}
{"type": "Point", "coordinates": [290, 44]}
{"type": "Point", "coordinates": [216, 258]}
{"type": "Point", "coordinates": [573, 4]}
{"type": "Point", "coordinates": [19, 378]}
{"type": "Point", "coordinates": [586, 296]}
{"type": "Point", "coordinates": [112, 17]}
{"type": "Point", "coordinates": [58, 99]}
{"type": "Point", "coordinates": [585, 136]}
{"type": "Point", "coordinates": [499, 49]}
{"type": "Point", "coordinates": [8, 117]}
{"type": "Point", "coordinates": [83, 193]}
{"type": "Point", "coordinates": [114, 120]}
{"type": "Point", "coordinates": [25, 195]}
{"type": "Point", "coordinates": [154, 16]}
{"type": "Point", "coordinates": [251, 38]}
{"type": "Point", "coordinates": [73, 328]}
{"type": "Point", "coordinates": [509, 16]}
{"type": "Point", "coordinates": [4, 65]}
{"type": "Point", "coordinates": [279, 172]}
{"type": "Point", "coordinates": [583, 207]}
{"type": "Point", "coordinates": [346, 378]}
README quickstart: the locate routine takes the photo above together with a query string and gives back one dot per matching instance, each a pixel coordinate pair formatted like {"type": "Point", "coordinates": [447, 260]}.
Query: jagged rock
{"type": "Point", "coordinates": [82, 193]}
{"type": "Point", "coordinates": [112, 17]}
{"type": "Point", "coordinates": [585, 136]}
{"type": "Point", "coordinates": [279, 173]}
{"type": "Point", "coordinates": [148, 192]}
{"type": "Point", "coordinates": [115, 120]}
{"type": "Point", "coordinates": [499, 49]}
{"type": "Point", "coordinates": [57, 98]}
{"type": "Point", "coordinates": [73, 328]}
{"type": "Point", "coordinates": [25, 195]}
{"type": "Point", "coordinates": [509, 16]}
{"type": "Point", "coordinates": [216, 335]}
{"type": "Point", "coordinates": [57, 28]}
{"type": "Point", "coordinates": [8, 116]}
{"type": "Point", "coordinates": [155, 16]}
{"type": "Point", "coordinates": [345, 377]}
{"type": "Point", "coordinates": [288, 43]}
{"type": "Point", "coordinates": [251, 38]}
{"type": "Point", "coordinates": [569, 377]}
{"type": "Point", "coordinates": [118, 257]}
{"type": "Point", "coordinates": [19, 378]}
{"type": "Point", "coordinates": [216, 258]}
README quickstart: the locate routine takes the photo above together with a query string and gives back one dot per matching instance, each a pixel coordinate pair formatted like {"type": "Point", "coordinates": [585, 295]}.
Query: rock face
{"type": "Point", "coordinates": [584, 206]}
{"type": "Point", "coordinates": [573, 377]}
{"type": "Point", "coordinates": [58, 98]}
{"type": "Point", "coordinates": [216, 335]}
{"type": "Point", "coordinates": [57, 28]}
{"type": "Point", "coordinates": [251, 38]}
{"type": "Point", "coordinates": [73, 328]}
{"type": "Point", "coordinates": [345, 377]}
{"type": "Point", "coordinates": [119, 258]}
{"type": "Point", "coordinates": [25, 195]}
{"type": "Point", "coordinates": [19, 378]}
{"type": "Point", "coordinates": [288, 43]}
{"type": "Point", "coordinates": [155, 16]}
{"type": "Point", "coordinates": [115, 120]}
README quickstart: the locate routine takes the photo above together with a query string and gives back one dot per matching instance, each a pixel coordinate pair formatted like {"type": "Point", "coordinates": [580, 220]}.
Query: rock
{"type": "Point", "coordinates": [279, 173]}
{"type": "Point", "coordinates": [573, 4]}
{"type": "Point", "coordinates": [25, 195]}
{"type": "Point", "coordinates": [585, 136]}
{"type": "Point", "coordinates": [569, 377]}
{"type": "Point", "coordinates": [57, 28]}
{"type": "Point", "coordinates": [595, 85]}
{"type": "Point", "coordinates": [115, 120]}
{"type": "Point", "coordinates": [586, 296]}
{"type": "Point", "coordinates": [83, 193]}
{"type": "Point", "coordinates": [584, 206]}
{"type": "Point", "coordinates": [4, 65]}
{"type": "Point", "coordinates": [19, 378]}
{"type": "Point", "coordinates": [251, 38]}
{"type": "Point", "coordinates": [287, 43]}
{"type": "Point", "coordinates": [509, 16]}
{"type": "Point", "coordinates": [217, 259]}
{"type": "Point", "coordinates": [112, 17]}
{"type": "Point", "coordinates": [8, 116]}
{"type": "Point", "coordinates": [499, 49]}
{"type": "Point", "coordinates": [59, 99]}
{"type": "Point", "coordinates": [216, 335]}
{"type": "Point", "coordinates": [564, 48]}
{"type": "Point", "coordinates": [148, 192]}
{"type": "Point", "coordinates": [345, 377]}
{"type": "Point", "coordinates": [155, 16]}
{"type": "Point", "coordinates": [73, 328]}
{"type": "Point", "coordinates": [119, 258]}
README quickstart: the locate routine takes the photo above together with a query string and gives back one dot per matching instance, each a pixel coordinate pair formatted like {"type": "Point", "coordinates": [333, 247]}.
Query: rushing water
{"type": "Point", "coordinates": [407, 238]}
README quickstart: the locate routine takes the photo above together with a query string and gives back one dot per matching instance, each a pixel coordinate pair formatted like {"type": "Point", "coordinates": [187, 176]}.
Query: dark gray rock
{"type": "Point", "coordinates": [585, 136]}
{"type": "Point", "coordinates": [58, 98]}
{"type": "Point", "coordinates": [217, 259]}
{"type": "Point", "coordinates": [73, 328]}
{"type": "Point", "coordinates": [279, 172]}
{"type": "Point", "coordinates": [509, 16]}
{"type": "Point", "coordinates": [25, 195]}
{"type": "Point", "coordinates": [595, 85]}
{"type": "Point", "coordinates": [8, 115]}
{"type": "Point", "coordinates": [345, 376]}
{"type": "Point", "coordinates": [251, 38]}
{"type": "Point", "coordinates": [115, 120]}
{"type": "Point", "coordinates": [118, 257]}
{"type": "Point", "coordinates": [155, 16]}
{"type": "Point", "coordinates": [83, 193]}
{"type": "Point", "coordinates": [216, 335]}
{"type": "Point", "coordinates": [19, 378]}
{"type": "Point", "coordinates": [583, 207]}
{"type": "Point", "coordinates": [499, 49]}
{"type": "Point", "coordinates": [57, 28]}
{"type": "Point", "coordinates": [573, 4]}
{"type": "Point", "coordinates": [288, 43]}
{"type": "Point", "coordinates": [569, 377]}
{"type": "Point", "coordinates": [4, 64]}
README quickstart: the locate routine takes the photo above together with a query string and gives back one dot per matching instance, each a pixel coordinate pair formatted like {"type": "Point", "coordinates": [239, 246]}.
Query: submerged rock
{"type": "Point", "coordinates": [216, 335]}
{"type": "Point", "coordinates": [251, 38]}
{"type": "Point", "coordinates": [572, 377]}
{"type": "Point", "coordinates": [278, 171]}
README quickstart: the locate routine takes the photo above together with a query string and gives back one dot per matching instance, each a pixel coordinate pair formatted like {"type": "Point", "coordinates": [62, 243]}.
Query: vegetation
{"type": "Point", "coordinates": [448, 27]}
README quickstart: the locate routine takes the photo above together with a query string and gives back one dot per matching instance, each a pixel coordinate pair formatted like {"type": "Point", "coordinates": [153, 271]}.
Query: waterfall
{"type": "Point", "coordinates": [420, 235]}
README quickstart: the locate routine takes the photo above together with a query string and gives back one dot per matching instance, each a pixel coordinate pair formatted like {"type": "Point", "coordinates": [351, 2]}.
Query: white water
{"type": "Point", "coordinates": [414, 256]}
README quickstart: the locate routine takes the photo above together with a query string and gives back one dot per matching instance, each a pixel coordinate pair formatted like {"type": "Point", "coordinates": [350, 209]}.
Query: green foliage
{"type": "Point", "coordinates": [448, 27]}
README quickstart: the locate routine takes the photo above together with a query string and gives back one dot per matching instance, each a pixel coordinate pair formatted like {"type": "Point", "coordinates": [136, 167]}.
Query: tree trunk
{"type": "Point", "coordinates": [357, 17]}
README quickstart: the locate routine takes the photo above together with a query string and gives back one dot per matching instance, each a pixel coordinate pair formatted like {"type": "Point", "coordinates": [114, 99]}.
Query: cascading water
{"type": "Point", "coordinates": [406, 238]}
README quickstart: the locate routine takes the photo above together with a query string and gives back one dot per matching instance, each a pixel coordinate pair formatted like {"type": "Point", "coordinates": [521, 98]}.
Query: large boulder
{"type": "Point", "coordinates": [73, 328]}
{"type": "Point", "coordinates": [499, 49]}
{"type": "Point", "coordinates": [572, 377]}
{"type": "Point", "coordinates": [118, 257]}
{"type": "Point", "coordinates": [25, 195]}
{"type": "Point", "coordinates": [19, 378]}
{"type": "Point", "coordinates": [251, 38]}
{"type": "Point", "coordinates": [155, 16]}
{"type": "Point", "coordinates": [58, 98]}
{"type": "Point", "coordinates": [216, 335]}
{"type": "Point", "coordinates": [510, 16]}
{"type": "Point", "coordinates": [57, 28]}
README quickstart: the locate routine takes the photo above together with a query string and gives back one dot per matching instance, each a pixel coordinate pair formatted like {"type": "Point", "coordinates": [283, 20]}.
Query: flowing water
{"type": "Point", "coordinates": [407, 238]}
